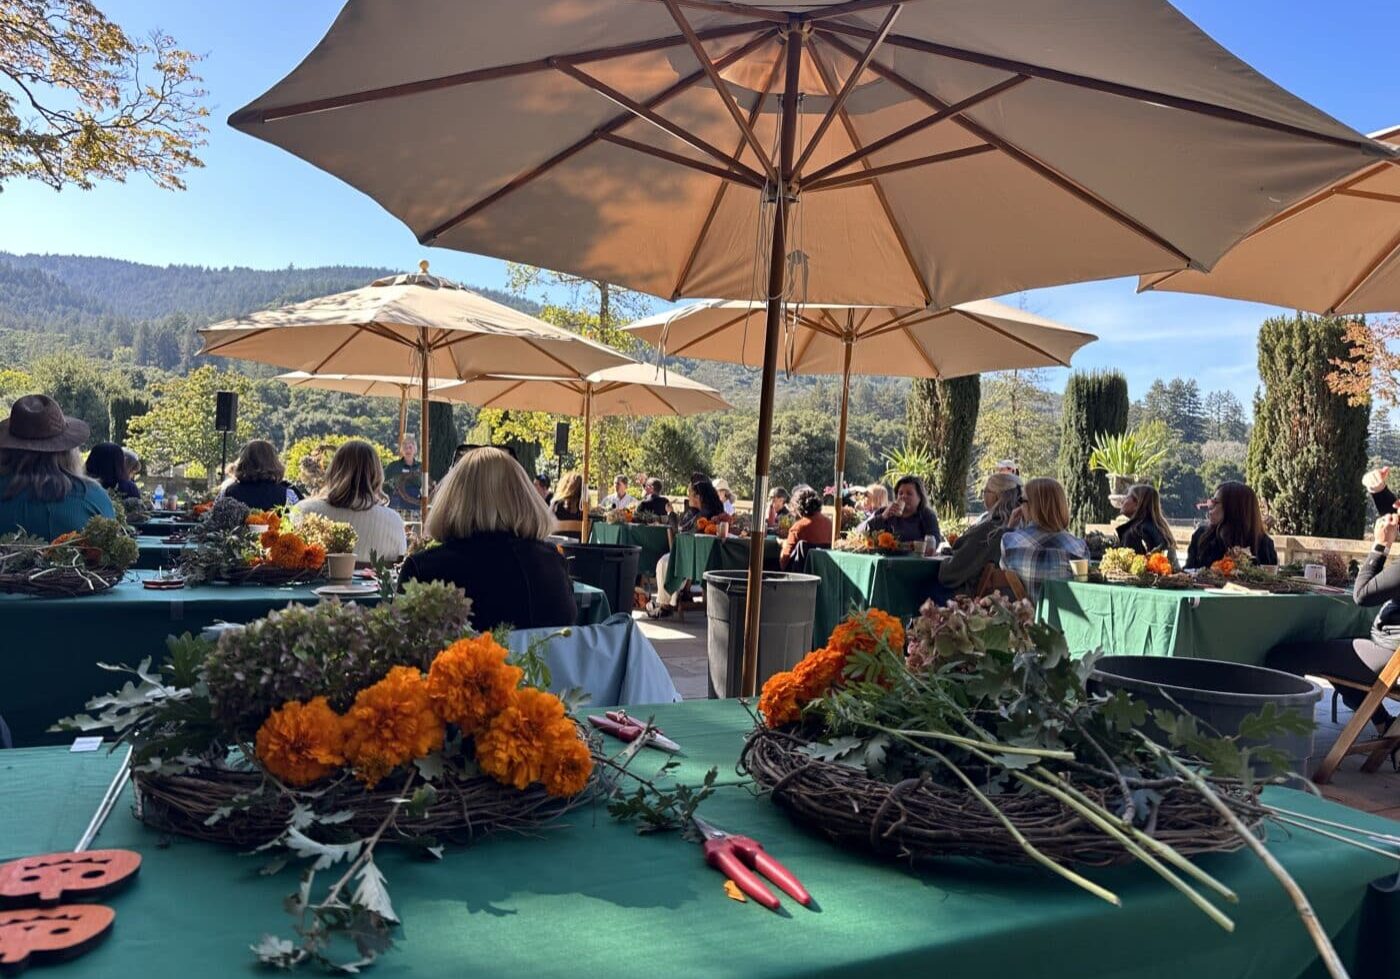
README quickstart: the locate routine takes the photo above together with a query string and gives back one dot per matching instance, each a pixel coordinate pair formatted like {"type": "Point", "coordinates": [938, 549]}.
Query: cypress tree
{"type": "Point", "coordinates": [1308, 447]}
{"type": "Point", "coordinates": [1095, 403]}
{"type": "Point", "coordinates": [442, 439]}
{"type": "Point", "coordinates": [123, 408]}
{"type": "Point", "coordinates": [942, 418]}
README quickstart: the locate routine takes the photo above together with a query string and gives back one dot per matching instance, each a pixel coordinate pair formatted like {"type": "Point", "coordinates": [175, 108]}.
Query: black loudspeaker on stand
{"type": "Point", "coordinates": [225, 421]}
{"type": "Point", "coordinates": [561, 445]}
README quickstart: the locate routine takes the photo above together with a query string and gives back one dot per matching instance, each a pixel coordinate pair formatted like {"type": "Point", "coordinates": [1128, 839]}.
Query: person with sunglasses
{"type": "Point", "coordinates": [1233, 519]}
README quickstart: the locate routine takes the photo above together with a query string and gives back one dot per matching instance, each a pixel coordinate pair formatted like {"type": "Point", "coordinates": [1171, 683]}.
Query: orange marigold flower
{"type": "Point", "coordinates": [778, 702]}
{"type": "Point", "coordinates": [268, 538]}
{"type": "Point", "coordinates": [1225, 566]}
{"type": "Point", "coordinates": [863, 630]}
{"type": "Point", "coordinates": [818, 672]}
{"type": "Point", "coordinates": [568, 766]}
{"type": "Point", "coordinates": [390, 724]}
{"type": "Point", "coordinates": [886, 541]}
{"type": "Point", "coordinates": [313, 557]}
{"type": "Point", "coordinates": [470, 682]}
{"type": "Point", "coordinates": [1159, 564]}
{"type": "Point", "coordinates": [287, 551]}
{"type": "Point", "coordinates": [300, 743]}
{"type": "Point", "coordinates": [516, 744]}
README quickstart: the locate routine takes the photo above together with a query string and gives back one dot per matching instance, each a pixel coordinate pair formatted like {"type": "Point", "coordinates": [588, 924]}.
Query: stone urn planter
{"type": "Point", "coordinates": [1118, 486]}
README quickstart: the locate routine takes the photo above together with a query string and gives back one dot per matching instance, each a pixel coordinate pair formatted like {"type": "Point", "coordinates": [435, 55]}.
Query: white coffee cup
{"type": "Point", "coordinates": [1080, 567]}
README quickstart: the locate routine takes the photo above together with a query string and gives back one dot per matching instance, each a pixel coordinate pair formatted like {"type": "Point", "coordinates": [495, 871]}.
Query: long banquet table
{"type": "Point", "coordinates": [694, 554]}
{"type": "Point", "coordinates": [898, 584]}
{"type": "Point", "coordinates": [653, 539]}
{"type": "Point", "coordinates": [592, 898]}
{"type": "Point", "coordinates": [50, 647]}
{"type": "Point", "coordinates": [1209, 624]}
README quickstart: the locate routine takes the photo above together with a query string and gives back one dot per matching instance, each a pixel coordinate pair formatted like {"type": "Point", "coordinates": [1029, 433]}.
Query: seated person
{"type": "Point", "coordinates": [998, 483]}
{"type": "Point", "coordinates": [258, 478]}
{"type": "Point", "coordinates": [703, 501]}
{"type": "Point", "coordinates": [1038, 545]}
{"type": "Point", "coordinates": [777, 506]}
{"type": "Point", "coordinates": [726, 497]}
{"type": "Point", "coordinates": [908, 516]}
{"type": "Point", "coordinates": [492, 525]}
{"type": "Point", "coordinates": [981, 544]}
{"type": "Point", "coordinates": [542, 486]}
{"type": "Point", "coordinates": [811, 526]}
{"type": "Point", "coordinates": [654, 502]}
{"type": "Point", "coordinates": [133, 464]}
{"type": "Point", "coordinates": [42, 487]}
{"type": "Point", "coordinates": [568, 496]}
{"type": "Point", "coordinates": [1147, 530]}
{"type": "Point", "coordinates": [1233, 519]}
{"type": "Point", "coordinates": [619, 498]}
{"type": "Point", "coordinates": [353, 493]}
{"type": "Point", "coordinates": [876, 498]}
{"type": "Point", "coordinates": [1359, 660]}
{"type": "Point", "coordinates": [106, 464]}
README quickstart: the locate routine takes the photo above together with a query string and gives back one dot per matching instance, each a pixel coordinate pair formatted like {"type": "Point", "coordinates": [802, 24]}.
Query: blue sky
{"type": "Point", "coordinates": [255, 205]}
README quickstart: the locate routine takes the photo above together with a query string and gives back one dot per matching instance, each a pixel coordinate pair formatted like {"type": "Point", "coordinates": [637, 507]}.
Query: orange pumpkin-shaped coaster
{"type": "Point", "coordinates": [51, 933]}
{"type": "Point", "coordinates": [49, 877]}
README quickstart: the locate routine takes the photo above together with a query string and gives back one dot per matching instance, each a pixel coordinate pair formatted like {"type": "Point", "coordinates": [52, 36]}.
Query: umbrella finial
{"type": "Point", "coordinates": [423, 267]}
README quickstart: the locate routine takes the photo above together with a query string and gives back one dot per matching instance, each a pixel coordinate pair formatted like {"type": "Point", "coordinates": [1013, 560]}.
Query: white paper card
{"type": "Point", "coordinates": [86, 744]}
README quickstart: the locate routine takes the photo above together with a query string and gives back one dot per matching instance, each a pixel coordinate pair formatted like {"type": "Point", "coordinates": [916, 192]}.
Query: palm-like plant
{"type": "Point", "coordinates": [910, 461]}
{"type": "Point", "coordinates": [1128, 454]}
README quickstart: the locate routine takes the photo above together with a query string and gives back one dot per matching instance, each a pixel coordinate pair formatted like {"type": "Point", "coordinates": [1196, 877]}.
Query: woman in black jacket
{"type": "Point", "coordinates": [908, 516]}
{"type": "Point", "coordinates": [1358, 660]}
{"type": "Point", "coordinates": [258, 478]}
{"type": "Point", "coordinates": [1233, 519]}
{"type": "Point", "coordinates": [492, 525]}
{"type": "Point", "coordinates": [1147, 530]}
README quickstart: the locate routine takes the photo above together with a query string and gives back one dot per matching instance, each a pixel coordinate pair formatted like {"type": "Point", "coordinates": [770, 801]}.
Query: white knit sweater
{"type": "Point", "coordinates": [380, 529]}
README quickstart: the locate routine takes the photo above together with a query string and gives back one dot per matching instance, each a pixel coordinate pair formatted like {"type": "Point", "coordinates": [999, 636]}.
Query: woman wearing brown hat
{"type": "Point", "coordinates": [42, 487]}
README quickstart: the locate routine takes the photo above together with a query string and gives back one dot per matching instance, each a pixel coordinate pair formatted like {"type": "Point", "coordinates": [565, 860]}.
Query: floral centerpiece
{"type": "Point", "coordinates": [865, 542]}
{"type": "Point", "coordinates": [976, 734]}
{"type": "Point", "coordinates": [620, 515]}
{"type": "Point", "coordinates": [1125, 566]}
{"type": "Point", "coordinates": [228, 546]}
{"type": "Point", "coordinates": [1238, 568]}
{"type": "Point", "coordinates": [80, 562]}
{"type": "Point", "coordinates": [704, 525]}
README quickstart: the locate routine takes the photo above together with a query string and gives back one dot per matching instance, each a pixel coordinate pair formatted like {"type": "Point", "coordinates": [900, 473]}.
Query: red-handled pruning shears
{"type": "Point", "coordinates": [738, 856]}
{"type": "Point", "coordinates": [626, 728]}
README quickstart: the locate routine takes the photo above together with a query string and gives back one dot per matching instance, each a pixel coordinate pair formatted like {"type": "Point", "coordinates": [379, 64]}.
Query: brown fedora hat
{"type": "Point", "coordinates": [37, 424]}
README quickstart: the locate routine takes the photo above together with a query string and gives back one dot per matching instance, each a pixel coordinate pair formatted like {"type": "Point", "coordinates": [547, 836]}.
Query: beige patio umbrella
{"type": "Point", "coordinates": [862, 151]}
{"type": "Point", "coordinates": [1337, 252]}
{"type": "Point", "coordinates": [968, 338]}
{"type": "Point", "coordinates": [369, 386]}
{"type": "Point", "coordinates": [417, 325]}
{"type": "Point", "coordinates": [631, 390]}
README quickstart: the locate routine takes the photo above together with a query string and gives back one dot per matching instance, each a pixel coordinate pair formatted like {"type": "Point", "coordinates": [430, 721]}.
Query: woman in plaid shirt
{"type": "Point", "coordinates": [1039, 546]}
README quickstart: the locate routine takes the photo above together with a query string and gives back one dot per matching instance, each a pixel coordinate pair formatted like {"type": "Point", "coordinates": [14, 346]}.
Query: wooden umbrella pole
{"type": "Point", "coordinates": [424, 452]}
{"type": "Point", "coordinates": [841, 443]}
{"type": "Point", "coordinates": [777, 268]}
{"type": "Point", "coordinates": [587, 447]}
{"type": "Point", "coordinates": [403, 413]}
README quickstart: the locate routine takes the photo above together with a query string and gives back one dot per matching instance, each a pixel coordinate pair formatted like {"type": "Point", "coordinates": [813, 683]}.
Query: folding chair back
{"type": "Point", "coordinates": [1348, 744]}
{"type": "Point", "coordinates": [996, 578]}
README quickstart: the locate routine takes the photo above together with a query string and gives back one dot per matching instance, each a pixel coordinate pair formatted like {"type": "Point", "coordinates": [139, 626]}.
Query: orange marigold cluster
{"type": "Point", "coordinates": [704, 525]}
{"type": "Point", "coordinates": [863, 631]}
{"type": "Point", "coordinates": [1159, 564]}
{"type": "Point", "coordinates": [313, 557]}
{"type": "Point", "coordinates": [532, 740]}
{"type": "Point", "coordinates": [470, 682]}
{"type": "Point", "coordinates": [886, 541]}
{"type": "Point", "coordinates": [300, 743]}
{"type": "Point", "coordinates": [785, 694]}
{"type": "Point", "coordinates": [270, 519]}
{"type": "Point", "coordinates": [390, 724]}
{"type": "Point", "coordinates": [288, 551]}
{"type": "Point", "coordinates": [1225, 566]}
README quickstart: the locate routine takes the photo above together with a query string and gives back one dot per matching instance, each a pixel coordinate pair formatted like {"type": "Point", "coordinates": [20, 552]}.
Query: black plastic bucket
{"type": "Point", "coordinates": [784, 625]}
{"type": "Point", "coordinates": [1218, 693]}
{"type": "Point", "coordinates": [611, 567]}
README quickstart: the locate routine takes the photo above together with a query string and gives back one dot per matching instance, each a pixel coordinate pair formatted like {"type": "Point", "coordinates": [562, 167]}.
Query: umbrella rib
{"type": "Point", "coordinates": [721, 88]}
{"type": "Point", "coordinates": [1325, 194]}
{"type": "Point", "coordinates": [736, 9]}
{"type": "Point", "coordinates": [526, 176]}
{"type": "Point", "coordinates": [1026, 159]}
{"type": "Point", "coordinates": [824, 70]}
{"type": "Point", "coordinates": [719, 192]}
{"type": "Point", "coordinates": [489, 402]}
{"type": "Point", "coordinates": [908, 318]}
{"type": "Point", "coordinates": [1371, 195]}
{"type": "Point", "coordinates": [656, 119]}
{"type": "Point", "coordinates": [245, 116]}
{"type": "Point", "coordinates": [707, 334]}
{"type": "Point", "coordinates": [343, 344]}
{"type": "Point", "coordinates": [687, 162]}
{"type": "Point", "coordinates": [864, 176]}
{"type": "Point", "coordinates": [988, 324]}
{"type": "Point", "coordinates": [214, 350]}
{"type": "Point", "coordinates": [850, 7]}
{"type": "Point", "coordinates": [573, 371]}
{"type": "Point", "coordinates": [797, 357]}
{"type": "Point", "coordinates": [1110, 88]}
{"type": "Point", "coordinates": [1385, 255]}
{"type": "Point", "coordinates": [662, 398]}
{"type": "Point", "coordinates": [838, 104]}
{"type": "Point", "coordinates": [923, 354]}
{"type": "Point", "coordinates": [947, 111]}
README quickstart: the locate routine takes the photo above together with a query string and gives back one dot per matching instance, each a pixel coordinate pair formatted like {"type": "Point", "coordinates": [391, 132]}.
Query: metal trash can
{"type": "Point", "coordinates": [784, 627]}
{"type": "Point", "coordinates": [610, 567]}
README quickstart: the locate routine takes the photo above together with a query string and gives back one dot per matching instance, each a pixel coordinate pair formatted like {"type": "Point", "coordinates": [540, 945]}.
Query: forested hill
{"type": "Point", "coordinates": [97, 305]}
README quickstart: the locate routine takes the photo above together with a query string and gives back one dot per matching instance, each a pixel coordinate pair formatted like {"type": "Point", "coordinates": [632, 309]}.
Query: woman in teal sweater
{"type": "Point", "coordinates": [43, 491]}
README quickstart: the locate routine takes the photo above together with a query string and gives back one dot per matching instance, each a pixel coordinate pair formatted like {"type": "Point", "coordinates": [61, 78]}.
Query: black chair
{"type": "Point", "coordinates": [797, 561]}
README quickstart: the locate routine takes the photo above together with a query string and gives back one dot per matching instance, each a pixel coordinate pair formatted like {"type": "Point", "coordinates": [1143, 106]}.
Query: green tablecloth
{"type": "Point", "coordinates": [651, 538]}
{"type": "Point", "coordinates": [51, 646]}
{"type": "Point", "coordinates": [592, 898]}
{"type": "Point", "coordinates": [1208, 624]}
{"type": "Point", "coordinates": [163, 527]}
{"type": "Point", "coordinates": [154, 553]}
{"type": "Point", "coordinates": [895, 584]}
{"type": "Point", "coordinates": [694, 554]}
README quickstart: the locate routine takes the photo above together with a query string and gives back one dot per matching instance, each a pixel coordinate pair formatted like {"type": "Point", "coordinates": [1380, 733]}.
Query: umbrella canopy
{"type": "Point", "coordinates": [885, 341]}
{"type": "Point", "coordinates": [631, 390]}
{"type": "Point", "coordinates": [861, 151]}
{"type": "Point", "coordinates": [1337, 252]}
{"type": "Point", "coordinates": [408, 325]}
{"type": "Point", "coordinates": [368, 385]}
{"type": "Point", "coordinates": [966, 339]}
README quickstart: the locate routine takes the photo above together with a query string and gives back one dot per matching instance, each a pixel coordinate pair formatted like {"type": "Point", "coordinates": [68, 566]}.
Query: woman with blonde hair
{"type": "Point", "coordinates": [258, 478]}
{"type": "Point", "coordinates": [1039, 546]}
{"type": "Point", "coordinates": [877, 497]}
{"type": "Point", "coordinates": [353, 493]}
{"type": "Point", "coordinates": [492, 527]}
{"type": "Point", "coordinates": [1147, 529]}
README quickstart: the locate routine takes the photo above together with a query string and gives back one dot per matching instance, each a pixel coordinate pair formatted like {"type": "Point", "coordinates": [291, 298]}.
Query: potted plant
{"type": "Point", "coordinates": [1126, 459]}
{"type": "Point", "coordinates": [338, 539]}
